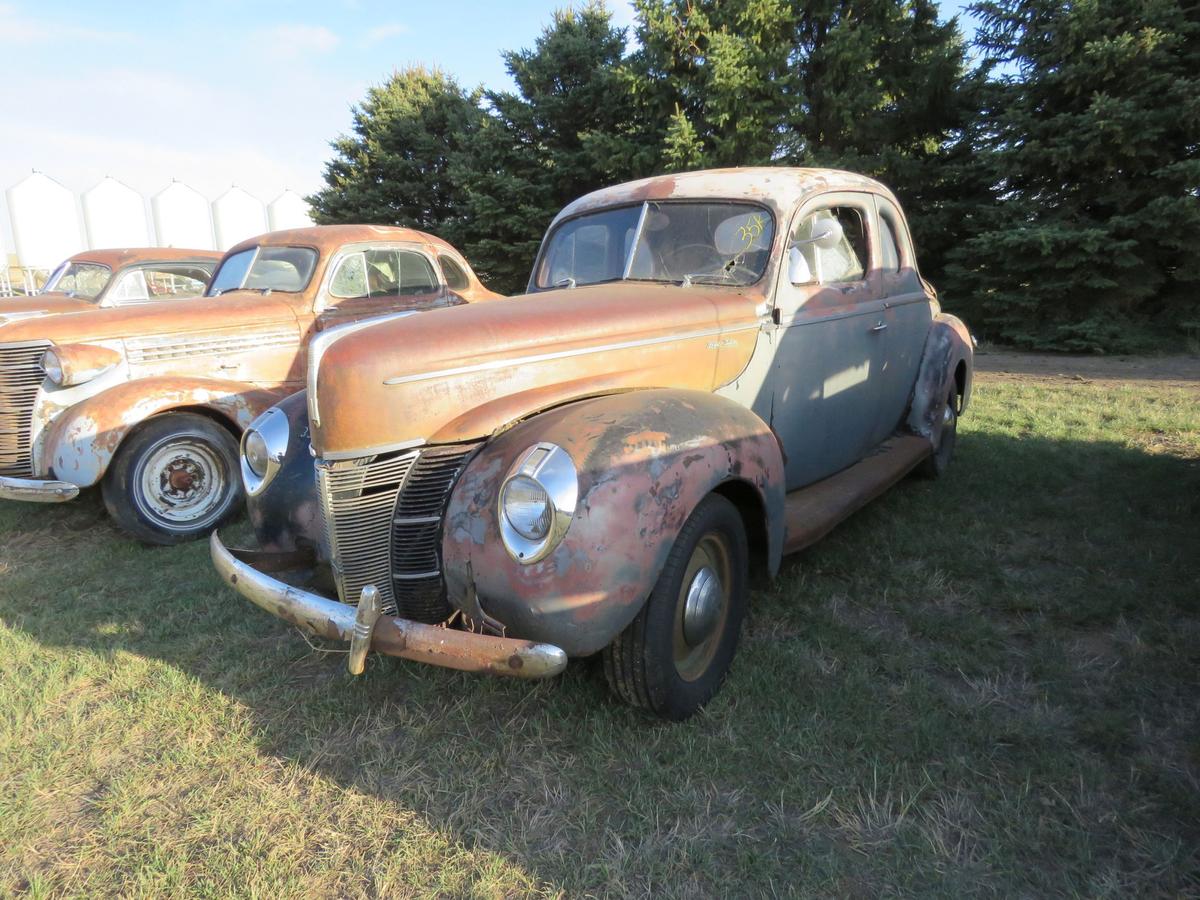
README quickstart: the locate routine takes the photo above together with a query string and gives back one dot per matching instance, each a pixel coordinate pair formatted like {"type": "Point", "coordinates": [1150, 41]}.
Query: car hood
{"type": "Point", "coordinates": [40, 305]}
{"type": "Point", "coordinates": [459, 374]}
{"type": "Point", "coordinates": [159, 317]}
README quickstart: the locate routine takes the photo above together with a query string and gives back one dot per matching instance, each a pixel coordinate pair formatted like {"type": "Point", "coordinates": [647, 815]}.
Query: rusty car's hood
{"type": "Point", "coordinates": [43, 304]}
{"type": "Point", "coordinates": [158, 317]}
{"type": "Point", "coordinates": [461, 373]}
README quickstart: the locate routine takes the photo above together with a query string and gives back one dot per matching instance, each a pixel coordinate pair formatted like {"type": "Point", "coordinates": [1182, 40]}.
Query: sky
{"type": "Point", "coordinates": [222, 92]}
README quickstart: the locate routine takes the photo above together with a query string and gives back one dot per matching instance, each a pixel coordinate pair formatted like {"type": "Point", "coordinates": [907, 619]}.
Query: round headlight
{"type": "Point", "coordinates": [52, 367]}
{"type": "Point", "coordinates": [256, 453]}
{"type": "Point", "coordinates": [264, 446]}
{"type": "Point", "coordinates": [527, 507]}
{"type": "Point", "coordinates": [537, 502]}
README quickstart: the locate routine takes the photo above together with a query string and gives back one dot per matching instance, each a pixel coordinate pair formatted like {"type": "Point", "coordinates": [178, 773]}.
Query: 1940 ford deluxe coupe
{"type": "Point", "coordinates": [709, 370]}
{"type": "Point", "coordinates": [148, 400]}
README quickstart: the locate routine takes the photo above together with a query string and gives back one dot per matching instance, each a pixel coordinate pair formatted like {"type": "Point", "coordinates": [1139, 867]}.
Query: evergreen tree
{"type": "Point", "coordinates": [876, 86]}
{"type": "Point", "coordinates": [566, 131]}
{"type": "Point", "coordinates": [1092, 139]}
{"type": "Point", "coordinates": [395, 169]}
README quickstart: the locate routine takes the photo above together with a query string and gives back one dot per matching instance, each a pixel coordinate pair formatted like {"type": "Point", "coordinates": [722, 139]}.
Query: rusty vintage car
{"type": "Point", "coordinates": [149, 400]}
{"type": "Point", "coordinates": [709, 370]}
{"type": "Point", "coordinates": [104, 279]}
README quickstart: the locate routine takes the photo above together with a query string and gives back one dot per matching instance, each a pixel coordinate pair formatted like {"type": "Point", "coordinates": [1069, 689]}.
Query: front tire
{"type": "Point", "coordinates": [674, 656]}
{"type": "Point", "coordinates": [174, 480]}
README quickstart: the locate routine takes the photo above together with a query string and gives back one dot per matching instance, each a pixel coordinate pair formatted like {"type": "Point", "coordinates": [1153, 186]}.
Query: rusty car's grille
{"type": "Point", "coordinates": [159, 349]}
{"type": "Point", "coordinates": [383, 518]}
{"type": "Point", "coordinates": [21, 376]}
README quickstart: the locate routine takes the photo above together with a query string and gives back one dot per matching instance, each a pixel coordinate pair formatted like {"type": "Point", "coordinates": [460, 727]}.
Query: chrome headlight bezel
{"type": "Point", "coordinates": [550, 466]}
{"type": "Point", "coordinates": [275, 431]}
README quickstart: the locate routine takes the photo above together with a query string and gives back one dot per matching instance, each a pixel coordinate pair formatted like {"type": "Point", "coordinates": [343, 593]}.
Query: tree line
{"type": "Point", "coordinates": [1049, 166]}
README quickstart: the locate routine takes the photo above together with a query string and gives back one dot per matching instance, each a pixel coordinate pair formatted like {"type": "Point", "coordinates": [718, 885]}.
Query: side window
{"type": "Point", "coordinates": [132, 288]}
{"type": "Point", "coordinates": [887, 241]}
{"type": "Point", "coordinates": [350, 279]}
{"type": "Point", "coordinates": [383, 273]}
{"type": "Point", "coordinates": [456, 278]}
{"type": "Point", "coordinates": [415, 274]}
{"type": "Point", "coordinates": [816, 258]}
{"type": "Point", "coordinates": [173, 282]}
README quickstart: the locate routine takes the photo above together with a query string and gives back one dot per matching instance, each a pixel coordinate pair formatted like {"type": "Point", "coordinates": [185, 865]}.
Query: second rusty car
{"type": "Point", "coordinates": [709, 370]}
{"type": "Point", "coordinates": [148, 401]}
{"type": "Point", "coordinates": [106, 279]}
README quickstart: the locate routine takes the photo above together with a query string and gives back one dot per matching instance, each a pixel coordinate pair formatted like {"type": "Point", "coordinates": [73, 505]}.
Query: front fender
{"type": "Point", "coordinates": [645, 460]}
{"type": "Point", "coordinates": [948, 347]}
{"type": "Point", "coordinates": [80, 442]}
{"type": "Point", "coordinates": [286, 513]}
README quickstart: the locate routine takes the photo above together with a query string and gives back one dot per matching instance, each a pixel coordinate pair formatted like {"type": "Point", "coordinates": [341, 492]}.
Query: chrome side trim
{"type": "Point", "coordinates": [564, 354]}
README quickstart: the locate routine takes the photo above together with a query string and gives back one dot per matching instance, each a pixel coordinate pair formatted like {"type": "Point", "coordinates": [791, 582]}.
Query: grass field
{"type": "Point", "coordinates": [987, 685]}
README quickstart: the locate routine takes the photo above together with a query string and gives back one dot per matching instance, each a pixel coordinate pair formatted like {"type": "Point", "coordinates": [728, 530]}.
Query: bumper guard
{"type": "Point", "coordinates": [365, 628]}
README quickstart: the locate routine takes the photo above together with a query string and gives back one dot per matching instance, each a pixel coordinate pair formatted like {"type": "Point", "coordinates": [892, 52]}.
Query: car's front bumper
{"type": "Point", "coordinates": [33, 490]}
{"type": "Point", "coordinates": [394, 636]}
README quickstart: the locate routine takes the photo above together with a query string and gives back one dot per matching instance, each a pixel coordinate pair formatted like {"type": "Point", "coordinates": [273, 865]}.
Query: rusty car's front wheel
{"type": "Point", "coordinates": [675, 654]}
{"type": "Point", "coordinates": [175, 479]}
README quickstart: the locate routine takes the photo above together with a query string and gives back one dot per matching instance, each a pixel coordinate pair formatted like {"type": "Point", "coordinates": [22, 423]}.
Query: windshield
{"type": "Point", "coordinates": [265, 269]}
{"type": "Point", "coordinates": [685, 242]}
{"type": "Point", "coordinates": [84, 280]}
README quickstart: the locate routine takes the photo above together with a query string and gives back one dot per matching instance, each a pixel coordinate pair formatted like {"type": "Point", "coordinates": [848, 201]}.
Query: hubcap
{"type": "Point", "coordinates": [702, 610]}
{"type": "Point", "coordinates": [181, 483]}
{"type": "Point", "coordinates": [702, 606]}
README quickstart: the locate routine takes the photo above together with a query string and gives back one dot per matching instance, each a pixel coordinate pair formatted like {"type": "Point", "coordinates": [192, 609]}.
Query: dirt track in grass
{"type": "Point", "coordinates": [1006, 365]}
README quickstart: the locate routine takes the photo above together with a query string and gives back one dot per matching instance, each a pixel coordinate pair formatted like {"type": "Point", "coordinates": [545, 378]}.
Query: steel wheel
{"type": "Point", "coordinates": [181, 482]}
{"type": "Point", "coordinates": [702, 607]}
{"type": "Point", "coordinates": [673, 657]}
{"type": "Point", "coordinates": [174, 479]}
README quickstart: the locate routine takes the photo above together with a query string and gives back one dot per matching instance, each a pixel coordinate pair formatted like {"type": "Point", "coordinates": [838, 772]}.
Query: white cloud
{"type": "Point", "coordinates": [381, 33]}
{"type": "Point", "coordinates": [17, 28]}
{"type": "Point", "coordinates": [296, 40]}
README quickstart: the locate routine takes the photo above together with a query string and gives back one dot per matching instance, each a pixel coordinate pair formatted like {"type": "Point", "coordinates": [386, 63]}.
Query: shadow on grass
{"type": "Point", "coordinates": [950, 692]}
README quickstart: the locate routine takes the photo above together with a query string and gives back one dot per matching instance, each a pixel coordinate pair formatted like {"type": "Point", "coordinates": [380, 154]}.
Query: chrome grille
{"type": "Point", "coordinates": [383, 519]}
{"type": "Point", "coordinates": [21, 375]}
{"type": "Point", "coordinates": [418, 586]}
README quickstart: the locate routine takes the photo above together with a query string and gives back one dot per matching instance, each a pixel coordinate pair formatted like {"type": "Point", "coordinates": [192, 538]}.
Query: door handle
{"type": "Point", "coordinates": [882, 326]}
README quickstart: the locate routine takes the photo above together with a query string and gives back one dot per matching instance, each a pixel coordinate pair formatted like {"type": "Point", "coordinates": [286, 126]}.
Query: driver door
{"type": "Point", "coordinates": [828, 308]}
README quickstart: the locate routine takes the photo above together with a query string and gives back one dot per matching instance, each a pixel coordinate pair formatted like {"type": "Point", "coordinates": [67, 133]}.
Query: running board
{"type": "Point", "coordinates": [811, 512]}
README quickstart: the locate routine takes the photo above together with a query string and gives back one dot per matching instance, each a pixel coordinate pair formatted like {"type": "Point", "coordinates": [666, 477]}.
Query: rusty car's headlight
{"type": "Point", "coordinates": [264, 446]}
{"type": "Point", "coordinates": [73, 364]}
{"type": "Point", "coordinates": [537, 502]}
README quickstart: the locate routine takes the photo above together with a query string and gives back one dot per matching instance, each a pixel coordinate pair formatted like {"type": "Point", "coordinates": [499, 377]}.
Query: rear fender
{"type": "Point", "coordinates": [645, 460]}
{"type": "Point", "coordinates": [949, 354]}
{"type": "Point", "coordinates": [81, 441]}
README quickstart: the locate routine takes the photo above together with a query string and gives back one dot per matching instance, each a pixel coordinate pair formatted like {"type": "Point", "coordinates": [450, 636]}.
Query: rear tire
{"type": "Point", "coordinates": [175, 479]}
{"type": "Point", "coordinates": [935, 465]}
{"type": "Point", "coordinates": [674, 656]}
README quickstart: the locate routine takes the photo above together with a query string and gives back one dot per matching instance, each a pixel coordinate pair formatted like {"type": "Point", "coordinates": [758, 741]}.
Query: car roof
{"type": "Point", "coordinates": [779, 188]}
{"type": "Point", "coordinates": [119, 257]}
{"type": "Point", "coordinates": [330, 237]}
